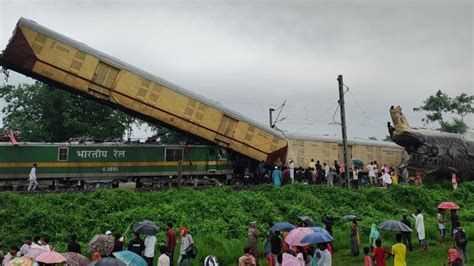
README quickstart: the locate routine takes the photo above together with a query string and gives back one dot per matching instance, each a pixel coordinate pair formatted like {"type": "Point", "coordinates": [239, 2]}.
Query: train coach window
{"type": "Point", "coordinates": [63, 153]}
{"type": "Point", "coordinates": [173, 154]}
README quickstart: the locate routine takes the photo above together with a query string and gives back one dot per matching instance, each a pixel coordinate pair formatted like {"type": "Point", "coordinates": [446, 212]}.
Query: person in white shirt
{"type": "Point", "coordinates": [186, 241]}
{"type": "Point", "coordinates": [387, 180]}
{"type": "Point", "coordinates": [149, 253]}
{"type": "Point", "coordinates": [32, 178]}
{"type": "Point", "coordinates": [26, 246]}
{"type": "Point", "coordinates": [441, 226]}
{"type": "Point", "coordinates": [372, 176]}
{"type": "Point", "coordinates": [164, 259]}
{"type": "Point", "coordinates": [292, 171]}
{"type": "Point", "coordinates": [326, 258]}
{"type": "Point", "coordinates": [326, 170]}
{"type": "Point", "coordinates": [420, 228]}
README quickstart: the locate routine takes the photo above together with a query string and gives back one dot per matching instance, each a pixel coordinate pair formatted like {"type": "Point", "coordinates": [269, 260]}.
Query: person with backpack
{"type": "Point", "coordinates": [187, 249]}
{"type": "Point", "coordinates": [247, 259]}
{"type": "Point", "coordinates": [460, 241]}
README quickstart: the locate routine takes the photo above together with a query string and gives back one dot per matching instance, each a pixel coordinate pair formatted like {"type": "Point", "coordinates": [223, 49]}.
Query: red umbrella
{"type": "Point", "coordinates": [51, 257]}
{"type": "Point", "coordinates": [448, 205]}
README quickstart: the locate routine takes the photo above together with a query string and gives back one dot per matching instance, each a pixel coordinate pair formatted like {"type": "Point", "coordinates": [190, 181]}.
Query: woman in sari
{"type": "Point", "coordinates": [354, 238]}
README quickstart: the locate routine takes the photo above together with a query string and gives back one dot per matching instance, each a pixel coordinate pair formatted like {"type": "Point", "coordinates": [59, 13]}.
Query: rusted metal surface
{"type": "Point", "coordinates": [429, 150]}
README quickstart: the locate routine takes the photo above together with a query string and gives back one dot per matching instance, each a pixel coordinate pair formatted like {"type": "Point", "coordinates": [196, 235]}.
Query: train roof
{"type": "Point", "coordinates": [323, 138]}
{"type": "Point", "coordinates": [122, 65]}
{"type": "Point", "coordinates": [103, 144]}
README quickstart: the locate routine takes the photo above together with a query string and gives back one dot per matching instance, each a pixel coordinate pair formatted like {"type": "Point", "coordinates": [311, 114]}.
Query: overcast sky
{"type": "Point", "coordinates": [253, 55]}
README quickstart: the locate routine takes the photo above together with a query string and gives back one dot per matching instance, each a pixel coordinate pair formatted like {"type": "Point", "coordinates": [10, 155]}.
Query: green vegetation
{"type": "Point", "coordinates": [41, 113]}
{"type": "Point", "coordinates": [218, 217]}
{"type": "Point", "coordinates": [440, 104]}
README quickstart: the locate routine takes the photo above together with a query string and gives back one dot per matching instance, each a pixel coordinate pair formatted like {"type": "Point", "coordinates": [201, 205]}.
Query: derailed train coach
{"type": "Point", "coordinates": [303, 148]}
{"type": "Point", "coordinates": [83, 166]}
{"type": "Point", "coordinates": [43, 54]}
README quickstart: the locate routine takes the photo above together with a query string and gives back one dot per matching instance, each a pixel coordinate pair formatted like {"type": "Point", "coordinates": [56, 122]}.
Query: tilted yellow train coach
{"type": "Point", "coordinates": [48, 56]}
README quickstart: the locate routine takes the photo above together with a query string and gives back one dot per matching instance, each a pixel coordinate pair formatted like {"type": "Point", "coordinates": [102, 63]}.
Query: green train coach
{"type": "Point", "coordinates": [67, 165]}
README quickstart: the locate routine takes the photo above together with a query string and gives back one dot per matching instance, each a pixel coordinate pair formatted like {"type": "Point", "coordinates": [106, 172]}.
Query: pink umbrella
{"type": "Point", "coordinates": [448, 205]}
{"type": "Point", "coordinates": [34, 252]}
{"type": "Point", "coordinates": [295, 236]}
{"type": "Point", "coordinates": [51, 257]}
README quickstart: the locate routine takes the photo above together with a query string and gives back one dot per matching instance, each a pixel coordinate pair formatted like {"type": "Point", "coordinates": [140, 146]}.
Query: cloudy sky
{"type": "Point", "coordinates": [253, 55]}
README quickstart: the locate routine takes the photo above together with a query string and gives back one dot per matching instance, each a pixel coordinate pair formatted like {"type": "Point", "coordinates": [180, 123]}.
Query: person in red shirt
{"type": "Point", "coordinates": [380, 254]}
{"type": "Point", "coordinates": [170, 241]}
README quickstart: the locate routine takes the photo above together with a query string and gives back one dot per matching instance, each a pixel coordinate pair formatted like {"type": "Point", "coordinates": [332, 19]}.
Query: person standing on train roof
{"type": "Point", "coordinates": [276, 176]}
{"type": "Point", "coordinates": [291, 164]}
{"type": "Point", "coordinates": [32, 178]}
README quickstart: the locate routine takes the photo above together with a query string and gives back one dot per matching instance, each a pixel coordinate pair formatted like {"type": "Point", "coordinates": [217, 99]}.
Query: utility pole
{"type": "Point", "coordinates": [271, 120]}
{"type": "Point", "coordinates": [343, 125]}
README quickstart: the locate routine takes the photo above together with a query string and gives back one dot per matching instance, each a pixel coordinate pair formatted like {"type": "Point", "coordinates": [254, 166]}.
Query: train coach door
{"type": "Point", "coordinates": [226, 130]}
{"type": "Point", "coordinates": [103, 80]}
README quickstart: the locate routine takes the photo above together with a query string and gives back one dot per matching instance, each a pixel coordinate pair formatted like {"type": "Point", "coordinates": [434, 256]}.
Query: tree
{"type": "Point", "coordinates": [41, 113]}
{"type": "Point", "coordinates": [439, 104]}
{"type": "Point", "coordinates": [164, 135]}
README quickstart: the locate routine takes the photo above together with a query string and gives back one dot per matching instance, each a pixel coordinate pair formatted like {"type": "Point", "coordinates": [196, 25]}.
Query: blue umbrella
{"type": "Point", "coordinates": [317, 237]}
{"type": "Point", "coordinates": [283, 226]}
{"type": "Point", "coordinates": [317, 229]}
{"type": "Point", "coordinates": [130, 258]}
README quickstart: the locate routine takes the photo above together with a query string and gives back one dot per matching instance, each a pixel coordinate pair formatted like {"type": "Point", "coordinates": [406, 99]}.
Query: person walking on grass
{"type": "Point", "coordinates": [460, 241]}
{"type": "Point", "coordinates": [454, 258]}
{"type": "Point", "coordinates": [420, 229]}
{"type": "Point", "coordinates": [454, 220]}
{"type": "Point", "coordinates": [252, 236]}
{"type": "Point", "coordinates": [406, 236]}
{"type": "Point", "coordinates": [355, 240]}
{"type": "Point", "coordinates": [170, 241]}
{"type": "Point", "coordinates": [149, 253]}
{"type": "Point", "coordinates": [373, 236]}
{"type": "Point", "coordinates": [399, 251]}
{"type": "Point", "coordinates": [186, 242]}
{"type": "Point", "coordinates": [136, 245]}
{"type": "Point", "coordinates": [367, 258]}
{"type": "Point", "coordinates": [441, 226]}
{"type": "Point", "coordinates": [379, 254]}
{"type": "Point", "coordinates": [164, 259]}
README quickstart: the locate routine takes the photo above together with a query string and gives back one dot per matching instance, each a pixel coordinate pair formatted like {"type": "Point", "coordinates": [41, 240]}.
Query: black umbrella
{"type": "Point", "coordinates": [307, 220]}
{"type": "Point", "coordinates": [107, 262]}
{"type": "Point", "coordinates": [146, 227]}
{"type": "Point", "coordinates": [393, 225]}
{"type": "Point", "coordinates": [452, 169]}
{"type": "Point", "coordinates": [351, 217]}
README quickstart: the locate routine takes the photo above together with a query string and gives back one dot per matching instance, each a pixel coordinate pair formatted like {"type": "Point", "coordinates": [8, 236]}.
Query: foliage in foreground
{"type": "Point", "coordinates": [218, 217]}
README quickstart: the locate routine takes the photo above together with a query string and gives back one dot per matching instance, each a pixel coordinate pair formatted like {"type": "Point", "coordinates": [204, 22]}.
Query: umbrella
{"type": "Point", "coordinates": [448, 205]}
{"type": "Point", "coordinates": [358, 163]}
{"type": "Point", "coordinates": [146, 227]}
{"type": "Point", "coordinates": [130, 258]}
{"type": "Point", "coordinates": [75, 259]}
{"type": "Point", "coordinates": [317, 237]}
{"type": "Point", "coordinates": [295, 236]}
{"type": "Point", "coordinates": [308, 221]}
{"type": "Point", "coordinates": [452, 169]}
{"type": "Point", "coordinates": [34, 252]}
{"type": "Point", "coordinates": [393, 225]}
{"type": "Point", "coordinates": [21, 261]}
{"type": "Point", "coordinates": [283, 226]}
{"type": "Point", "coordinates": [107, 262]}
{"type": "Point", "coordinates": [102, 244]}
{"type": "Point", "coordinates": [351, 217]}
{"type": "Point", "coordinates": [51, 257]}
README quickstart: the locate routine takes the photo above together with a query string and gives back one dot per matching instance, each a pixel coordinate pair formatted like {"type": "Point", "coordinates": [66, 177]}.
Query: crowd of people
{"type": "Point", "coordinates": [317, 173]}
{"type": "Point", "coordinates": [276, 250]}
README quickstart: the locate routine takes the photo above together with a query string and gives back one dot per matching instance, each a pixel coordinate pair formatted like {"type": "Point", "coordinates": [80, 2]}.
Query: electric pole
{"type": "Point", "coordinates": [343, 125]}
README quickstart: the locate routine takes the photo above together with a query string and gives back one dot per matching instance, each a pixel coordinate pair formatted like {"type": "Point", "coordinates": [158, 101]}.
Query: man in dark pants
{"type": "Point", "coordinates": [406, 236]}
{"type": "Point", "coordinates": [454, 220]}
{"type": "Point", "coordinates": [170, 241]}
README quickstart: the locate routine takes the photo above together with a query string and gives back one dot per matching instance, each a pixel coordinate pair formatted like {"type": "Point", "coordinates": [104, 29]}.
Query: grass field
{"type": "Point", "coordinates": [218, 217]}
